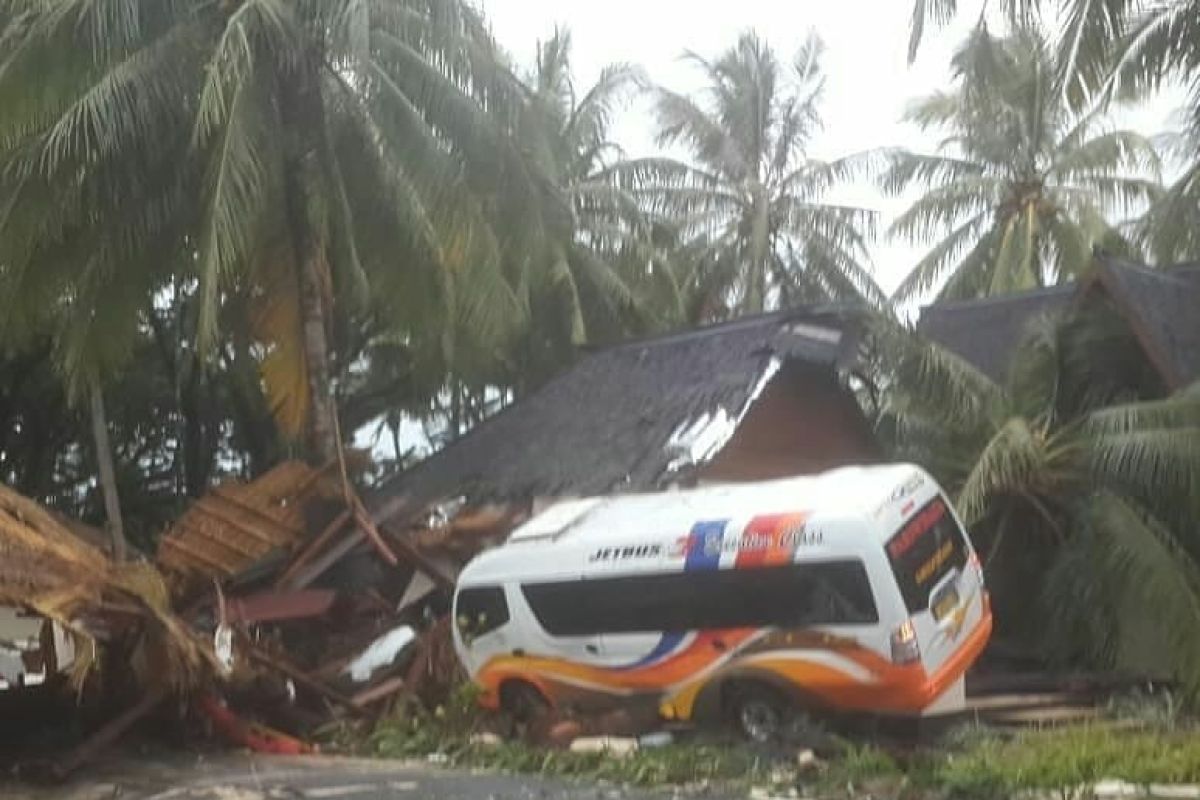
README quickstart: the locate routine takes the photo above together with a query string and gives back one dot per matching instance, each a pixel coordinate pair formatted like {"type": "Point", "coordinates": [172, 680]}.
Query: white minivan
{"type": "Point", "coordinates": [856, 589]}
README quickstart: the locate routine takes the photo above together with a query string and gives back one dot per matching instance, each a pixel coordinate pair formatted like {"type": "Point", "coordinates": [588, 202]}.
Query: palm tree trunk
{"type": "Point", "coordinates": [756, 300]}
{"type": "Point", "coordinates": [322, 441]}
{"type": "Point", "coordinates": [108, 474]}
{"type": "Point", "coordinates": [302, 111]}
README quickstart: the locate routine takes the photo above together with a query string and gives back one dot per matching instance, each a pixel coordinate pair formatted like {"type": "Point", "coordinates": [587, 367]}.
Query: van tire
{"type": "Point", "coordinates": [759, 712]}
{"type": "Point", "coordinates": [522, 701]}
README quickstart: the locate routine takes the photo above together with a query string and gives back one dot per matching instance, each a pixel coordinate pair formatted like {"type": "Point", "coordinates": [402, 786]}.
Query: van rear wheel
{"type": "Point", "coordinates": [758, 712]}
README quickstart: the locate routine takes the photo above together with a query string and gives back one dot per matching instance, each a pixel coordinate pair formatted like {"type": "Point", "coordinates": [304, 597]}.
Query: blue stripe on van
{"type": "Point", "coordinates": [704, 545]}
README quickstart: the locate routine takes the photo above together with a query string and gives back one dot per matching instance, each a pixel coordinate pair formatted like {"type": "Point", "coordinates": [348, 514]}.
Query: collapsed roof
{"type": "Point", "coordinates": [633, 417]}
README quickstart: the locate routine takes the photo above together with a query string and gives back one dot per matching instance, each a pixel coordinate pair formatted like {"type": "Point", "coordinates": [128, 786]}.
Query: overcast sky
{"type": "Point", "coordinates": [869, 81]}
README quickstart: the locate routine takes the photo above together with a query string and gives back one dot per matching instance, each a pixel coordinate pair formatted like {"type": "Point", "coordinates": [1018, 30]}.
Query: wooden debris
{"type": "Point", "coordinates": [108, 735]}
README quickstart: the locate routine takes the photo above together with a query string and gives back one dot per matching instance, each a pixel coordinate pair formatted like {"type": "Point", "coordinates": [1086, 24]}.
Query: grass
{"type": "Point", "coordinates": [973, 763]}
{"type": "Point", "coordinates": [1063, 758]}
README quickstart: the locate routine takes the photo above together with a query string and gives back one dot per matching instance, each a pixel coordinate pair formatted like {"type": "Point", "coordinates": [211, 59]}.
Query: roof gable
{"type": "Point", "coordinates": [627, 418]}
{"type": "Point", "coordinates": [1161, 306]}
{"type": "Point", "coordinates": [986, 332]}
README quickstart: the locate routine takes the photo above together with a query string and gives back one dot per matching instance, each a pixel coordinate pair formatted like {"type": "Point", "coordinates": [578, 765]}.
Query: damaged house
{"type": "Point", "coordinates": [757, 398]}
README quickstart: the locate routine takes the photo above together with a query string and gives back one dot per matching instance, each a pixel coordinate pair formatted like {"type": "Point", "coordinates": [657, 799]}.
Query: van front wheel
{"type": "Point", "coordinates": [522, 701]}
{"type": "Point", "coordinates": [758, 712]}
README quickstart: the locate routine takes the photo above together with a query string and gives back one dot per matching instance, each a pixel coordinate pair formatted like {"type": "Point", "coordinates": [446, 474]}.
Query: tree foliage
{"type": "Point", "coordinates": [1077, 477]}
{"type": "Point", "coordinates": [1021, 188]}
{"type": "Point", "coordinates": [749, 206]}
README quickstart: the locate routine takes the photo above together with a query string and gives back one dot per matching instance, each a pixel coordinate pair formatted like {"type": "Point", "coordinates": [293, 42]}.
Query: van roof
{"type": "Point", "coordinates": [847, 491]}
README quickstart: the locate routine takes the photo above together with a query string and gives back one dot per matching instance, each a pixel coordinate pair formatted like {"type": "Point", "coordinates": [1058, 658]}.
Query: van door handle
{"type": "Point", "coordinates": [719, 644]}
{"type": "Point", "coordinates": [591, 648]}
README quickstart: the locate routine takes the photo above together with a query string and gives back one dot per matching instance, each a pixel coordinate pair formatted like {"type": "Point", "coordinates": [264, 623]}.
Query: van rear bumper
{"type": "Point", "coordinates": [956, 665]}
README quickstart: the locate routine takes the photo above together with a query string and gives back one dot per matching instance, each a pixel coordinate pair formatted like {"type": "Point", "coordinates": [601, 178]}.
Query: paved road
{"type": "Point", "coordinates": [312, 778]}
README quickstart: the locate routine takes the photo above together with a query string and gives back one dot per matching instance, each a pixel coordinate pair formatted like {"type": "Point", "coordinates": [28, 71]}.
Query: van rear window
{"type": "Point", "coordinates": [925, 550]}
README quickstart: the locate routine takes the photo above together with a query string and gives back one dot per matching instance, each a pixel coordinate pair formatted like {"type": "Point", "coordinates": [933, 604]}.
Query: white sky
{"type": "Point", "coordinates": [868, 85]}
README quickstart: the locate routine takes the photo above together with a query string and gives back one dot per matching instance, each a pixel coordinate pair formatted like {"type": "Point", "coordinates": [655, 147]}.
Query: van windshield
{"type": "Point", "coordinates": [926, 549]}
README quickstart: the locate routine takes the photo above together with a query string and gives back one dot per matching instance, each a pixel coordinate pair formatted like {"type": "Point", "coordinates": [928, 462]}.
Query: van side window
{"type": "Point", "coordinates": [480, 610]}
{"type": "Point", "coordinates": [794, 595]}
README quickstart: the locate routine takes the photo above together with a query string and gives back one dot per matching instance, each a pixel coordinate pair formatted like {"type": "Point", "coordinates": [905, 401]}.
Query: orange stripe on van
{"type": "Point", "coordinates": [680, 678]}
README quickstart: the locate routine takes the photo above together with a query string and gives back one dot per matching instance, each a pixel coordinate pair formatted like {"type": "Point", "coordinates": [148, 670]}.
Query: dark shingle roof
{"type": "Point", "coordinates": [1162, 306]}
{"type": "Point", "coordinates": [608, 422]}
{"type": "Point", "coordinates": [986, 332]}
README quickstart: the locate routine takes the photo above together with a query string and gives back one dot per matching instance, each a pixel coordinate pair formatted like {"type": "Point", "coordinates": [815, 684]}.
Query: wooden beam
{"type": "Point", "coordinates": [375, 693]}
{"type": "Point", "coordinates": [299, 676]}
{"type": "Point", "coordinates": [338, 551]}
{"type": "Point", "coordinates": [313, 547]}
{"type": "Point", "coordinates": [368, 527]}
{"type": "Point", "coordinates": [423, 562]}
{"type": "Point", "coordinates": [108, 734]}
{"type": "Point", "coordinates": [333, 555]}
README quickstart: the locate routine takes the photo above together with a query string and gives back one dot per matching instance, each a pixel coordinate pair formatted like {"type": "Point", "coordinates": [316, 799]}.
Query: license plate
{"type": "Point", "coordinates": [945, 603]}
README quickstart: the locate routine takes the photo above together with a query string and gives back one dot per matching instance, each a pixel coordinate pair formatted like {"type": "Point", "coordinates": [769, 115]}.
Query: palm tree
{"type": "Point", "coordinates": [1076, 477]}
{"type": "Point", "coordinates": [310, 156]}
{"type": "Point", "coordinates": [583, 297]}
{"type": "Point", "coordinates": [1087, 30]}
{"type": "Point", "coordinates": [748, 206]}
{"type": "Point", "coordinates": [1021, 186]}
{"type": "Point", "coordinates": [1160, 43]}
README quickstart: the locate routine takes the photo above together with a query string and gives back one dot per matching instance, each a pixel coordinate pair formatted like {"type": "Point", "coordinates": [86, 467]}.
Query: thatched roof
{"type": "Point", "coordinates": [47, 569]}
{"type": "Point", "coordinates": [1161, 306]}
{"type": "Point", "coordinates": [620, 419]}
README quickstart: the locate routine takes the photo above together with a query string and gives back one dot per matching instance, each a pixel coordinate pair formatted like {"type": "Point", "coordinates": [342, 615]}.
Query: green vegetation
{"type": "Point", "coordinates": [1067, 758]}
{"type": "Point", "coordinates": [1016, 196]}
{"type": "Point", "coordinates": [968, 763]}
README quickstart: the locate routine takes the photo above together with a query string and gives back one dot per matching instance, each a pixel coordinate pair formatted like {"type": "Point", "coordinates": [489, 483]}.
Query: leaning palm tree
{"type": "Point", "coordinates": [1077, 478]}
{"type": "Point", "coordinates": [1021, 188]}
{"type": "Point", "coordinates": [749, 204]}
{"type": "Point", "coordinates": [304, 155]}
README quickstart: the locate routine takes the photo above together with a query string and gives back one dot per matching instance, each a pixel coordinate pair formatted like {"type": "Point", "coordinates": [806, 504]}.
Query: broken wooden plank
{"type": "Point", "coordinates": [333, 555]}
{"type": "Point", "coordinates": [381, 691]}
{"type": "Point", "coordinates": [427, 565]}
{"type": "Point", "coordinates": [298, 675]}
{"type": "Point", "coordinates": [313, 547]}
{"type": "Point", "coordinates": [368, 527]}
{"type": "Point", "coordinates": [108, 734]}
{"type": "Point", "coordinates": [278, 606]}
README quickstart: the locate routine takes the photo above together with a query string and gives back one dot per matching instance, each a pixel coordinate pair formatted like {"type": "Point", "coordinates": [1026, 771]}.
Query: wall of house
{"type": "Point", "coordinates": [803, 422]}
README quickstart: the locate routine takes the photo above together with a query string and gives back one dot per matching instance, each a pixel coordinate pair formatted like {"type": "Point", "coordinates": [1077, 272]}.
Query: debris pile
{"type": "Point", "coordinates": [314, 611]}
